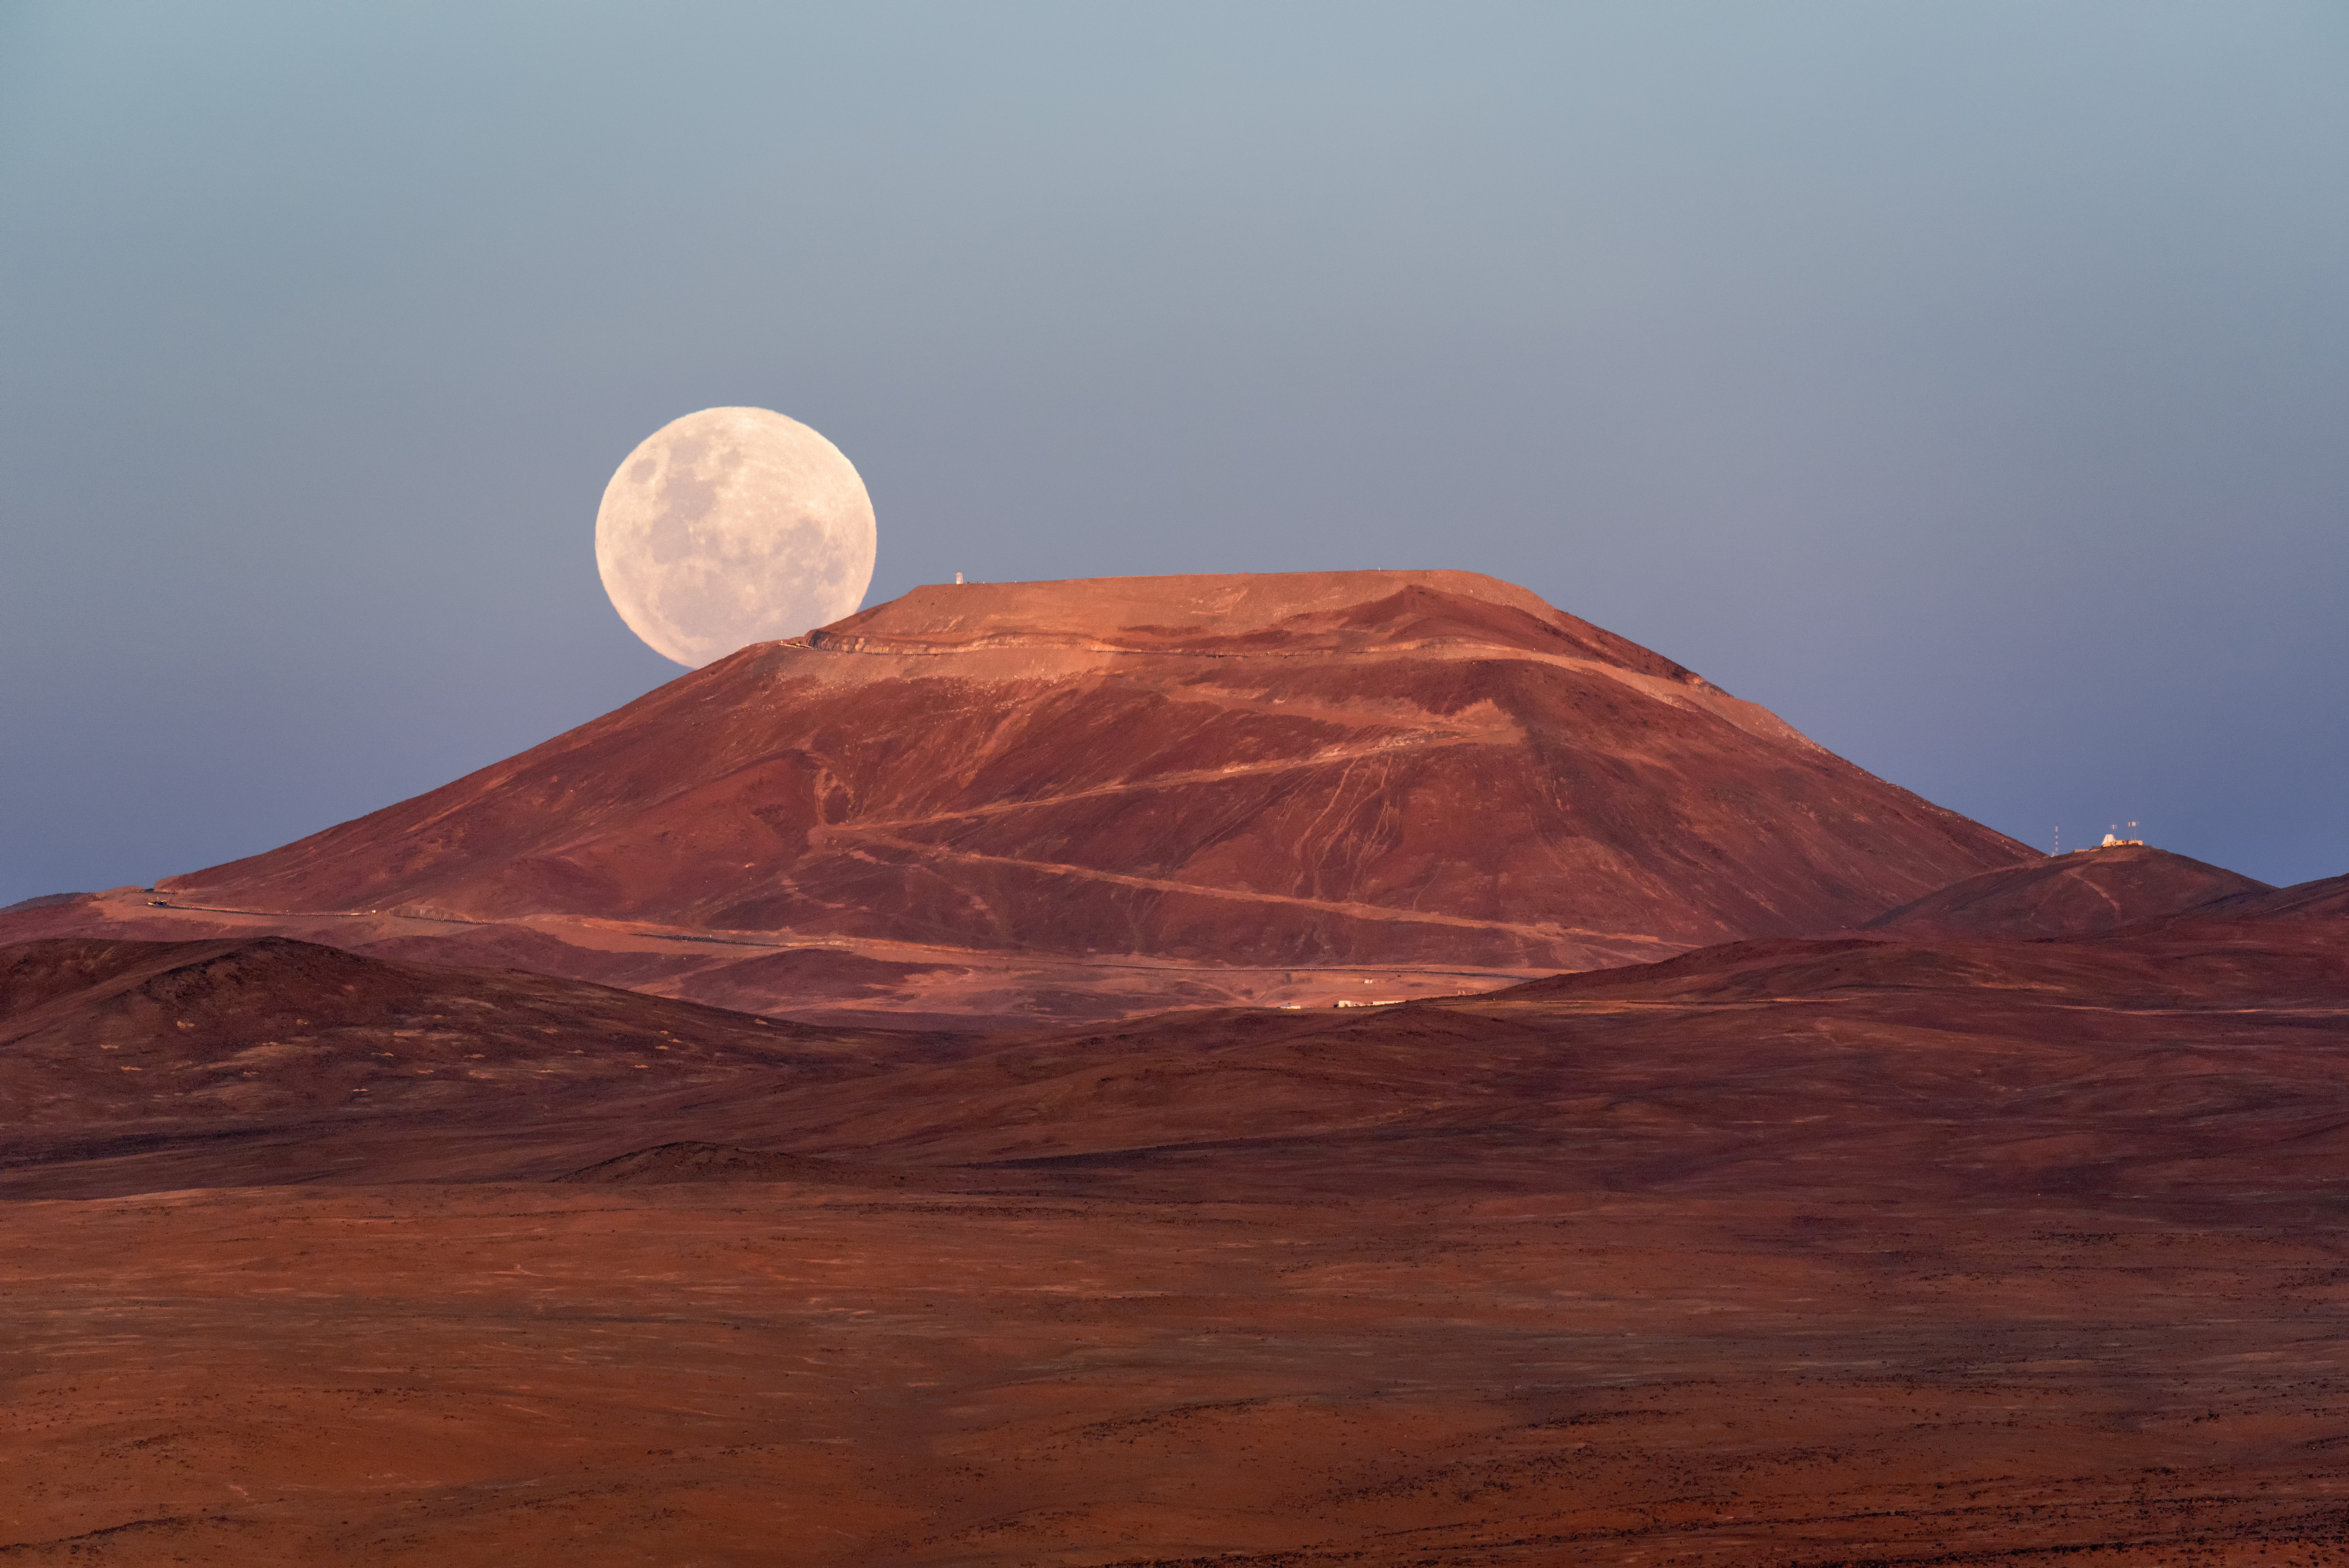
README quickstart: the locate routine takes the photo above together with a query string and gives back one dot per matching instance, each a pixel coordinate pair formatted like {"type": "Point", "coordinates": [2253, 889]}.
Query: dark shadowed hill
{"type": "Point", "coordinates": [108, 1047]}
{"type": "Point", "coordinates": [2190, 965]}
{"type": "Point", "coordinates": [1368, 766]}
{"type": "Point", "coordinates": [2327, 898]}
{"type": "Point", "coordinates": [671, 1163]}
{"type": "Point", "coordinates": [2078, 894]}
{"type": "Point", "coordinates": [2171, 1054]}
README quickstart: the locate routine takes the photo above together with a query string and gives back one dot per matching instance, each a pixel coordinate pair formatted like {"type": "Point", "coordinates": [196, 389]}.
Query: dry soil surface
{"type": "Point", "coordinates": [774, 1373]}
{"type": "Point", "coordinates": [1797, 1253]}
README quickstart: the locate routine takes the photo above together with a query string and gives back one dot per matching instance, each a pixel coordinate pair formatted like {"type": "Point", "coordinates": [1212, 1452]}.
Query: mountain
{"type": "Point", "coordinates": [1300, 768]}
{"type": "Point", "coordinates": [2086, 891]}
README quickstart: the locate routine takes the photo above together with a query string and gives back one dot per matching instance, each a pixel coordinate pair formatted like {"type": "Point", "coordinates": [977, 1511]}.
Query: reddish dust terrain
{"type": "Point", "coordinates": [2327, 899]}
{"type": "Point", "coordinates": [1788, 1252]}
{"type": "Point", "coordinates": [854, 981]}
{"type": "Point", "coordinates": [2086, 891]}
{"type": "Point", "coordinates": [1308, 770]}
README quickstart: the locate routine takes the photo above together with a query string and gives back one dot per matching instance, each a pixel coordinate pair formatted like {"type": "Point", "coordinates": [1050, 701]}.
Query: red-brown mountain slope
{"type": "Point", "coordinates": [1309, 768]}
{"type": "Point", "coordinates": [2078, 894]}
{"type": "Point", "coordinates": [2192, 1058]}
{"type": "Point", "coordinates": [2327, 898]}
{"type": "Point", "coordinates": [208, 1039]}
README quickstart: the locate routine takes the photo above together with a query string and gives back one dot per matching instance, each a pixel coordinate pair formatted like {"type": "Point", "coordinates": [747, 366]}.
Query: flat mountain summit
{"type": "Point", "coordinates": [1310, 767]}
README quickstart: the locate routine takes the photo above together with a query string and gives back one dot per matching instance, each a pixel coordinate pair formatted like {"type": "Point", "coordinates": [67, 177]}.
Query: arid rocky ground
{"type": "Point", "coordinates": [781, 1373]}
{"type": "Point", "coordinates": [1786, 1252]}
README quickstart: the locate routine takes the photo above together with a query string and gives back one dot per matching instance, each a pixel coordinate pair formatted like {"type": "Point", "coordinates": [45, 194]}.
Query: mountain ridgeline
{"type": "Point", "coordinates": [1320, 768]}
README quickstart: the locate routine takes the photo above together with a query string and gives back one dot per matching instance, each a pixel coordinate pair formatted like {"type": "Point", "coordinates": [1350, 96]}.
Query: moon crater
{"type": "Point", "coordinates": [730, 527]}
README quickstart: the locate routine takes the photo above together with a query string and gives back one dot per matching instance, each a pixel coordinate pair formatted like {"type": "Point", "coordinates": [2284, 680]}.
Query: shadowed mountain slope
{"type": "Point", "coordinates": [2078, 894]}
{"type": "Point", "coordinates": [2206, 1060]}
{"type": "Point", "coordinates": [671, 1163]}
{"type": "Point", "coordinates": [2327, 898]}
{"type": "Point", "coordinates": [204, 1039]}
{"type": "Point", "coordinates": [2187, 966]}
{"type": "Point", "coordinates": [2200, 1053]}
{"type": "Point", "coordinates": [1368, 767]}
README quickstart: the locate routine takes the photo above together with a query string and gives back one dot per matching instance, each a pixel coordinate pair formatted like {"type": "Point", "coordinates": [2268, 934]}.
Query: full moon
{"type": "Point", "coordinates": [731, 527]}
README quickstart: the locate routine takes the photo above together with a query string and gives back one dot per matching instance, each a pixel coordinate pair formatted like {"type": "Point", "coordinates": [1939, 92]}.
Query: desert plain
{"type": "Point", "coordinates": [1837, 1252]}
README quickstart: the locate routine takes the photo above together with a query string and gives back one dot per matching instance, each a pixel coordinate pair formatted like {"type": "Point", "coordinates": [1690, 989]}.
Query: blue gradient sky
{"type": "Point", "coordinates": [1969, 383]}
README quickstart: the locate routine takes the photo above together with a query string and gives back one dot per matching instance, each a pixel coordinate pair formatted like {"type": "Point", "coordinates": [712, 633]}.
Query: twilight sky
{"type": "Point", "coordinates": [1968, 382]}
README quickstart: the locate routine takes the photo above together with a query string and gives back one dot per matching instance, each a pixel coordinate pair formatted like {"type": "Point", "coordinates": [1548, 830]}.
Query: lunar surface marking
{"type": "Point", "coordinates": [730, 527]}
